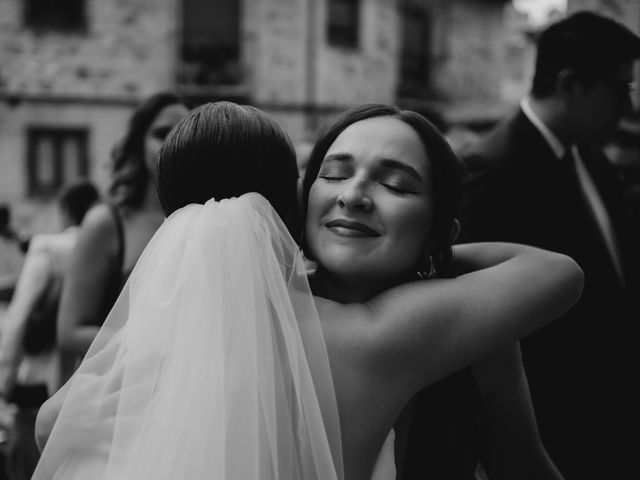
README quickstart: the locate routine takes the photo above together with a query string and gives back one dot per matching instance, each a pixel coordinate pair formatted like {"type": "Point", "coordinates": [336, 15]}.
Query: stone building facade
{"type": "Point", "coordinates": [69, 77]}
{"type": "Point", "coordinates": [71, 71]}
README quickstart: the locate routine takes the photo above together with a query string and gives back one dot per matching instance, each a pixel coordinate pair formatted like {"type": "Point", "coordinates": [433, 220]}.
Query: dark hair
{"type": "Point", "coordinates": [77, 198]}
{"type": "Point", "coordinates": [446, 171]}
{"type": "Point", "coordinates": [5, 217]}
{"type": "Point", "coordinates": [130, 174]}
{"type": "Point", "coordinates": [591, 45]}
{"type": "Point", "coordinates": [222, 150]}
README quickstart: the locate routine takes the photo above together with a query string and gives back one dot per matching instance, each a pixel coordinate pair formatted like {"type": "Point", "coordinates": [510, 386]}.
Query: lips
{"type": "Point", "coordinates": [351, 228]}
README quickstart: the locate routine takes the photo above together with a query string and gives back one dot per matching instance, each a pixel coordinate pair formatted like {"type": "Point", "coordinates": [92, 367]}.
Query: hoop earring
{"type": "Point", "coordinates": [428, 271]}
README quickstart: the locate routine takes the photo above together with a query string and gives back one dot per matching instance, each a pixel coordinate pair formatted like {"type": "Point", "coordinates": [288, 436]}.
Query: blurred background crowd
{"type": "Point", "coordinates": [73, 72]}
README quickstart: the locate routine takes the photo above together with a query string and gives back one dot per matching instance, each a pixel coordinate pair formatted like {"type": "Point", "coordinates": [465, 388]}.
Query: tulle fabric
{"type": "Point", "coordinates": [211, 365]}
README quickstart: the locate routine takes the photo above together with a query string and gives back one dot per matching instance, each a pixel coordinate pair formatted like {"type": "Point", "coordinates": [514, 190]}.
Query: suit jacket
{"type": "Point", "coordinates": [438, 432]}
{"type": "Point", "coordinates": [581, 367]}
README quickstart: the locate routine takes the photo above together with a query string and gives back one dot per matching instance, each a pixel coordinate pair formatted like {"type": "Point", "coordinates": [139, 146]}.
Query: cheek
{"type": "Point", "coordinates": [319, 200]}
{"type": "Point", "coordinates": [151, 149]}
{"type": "Point", "coordinates": [312, 222]}
{"type": "Point", "coordinates": [411, 231]}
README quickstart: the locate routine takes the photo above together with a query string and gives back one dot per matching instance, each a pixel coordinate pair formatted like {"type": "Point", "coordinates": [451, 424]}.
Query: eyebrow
{"type": "Point", "coordinates": [340, 157]}
{"type": "Point", "coordinates": [386, 163]}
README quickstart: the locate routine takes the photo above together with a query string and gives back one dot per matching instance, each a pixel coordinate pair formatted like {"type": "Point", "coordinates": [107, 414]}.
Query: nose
{"type": "Point", "coordinates": [355, 196]}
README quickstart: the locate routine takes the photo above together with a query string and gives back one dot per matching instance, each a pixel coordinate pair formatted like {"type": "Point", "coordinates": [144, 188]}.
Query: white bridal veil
{"type": "Point", "coordinates": [211, 365]}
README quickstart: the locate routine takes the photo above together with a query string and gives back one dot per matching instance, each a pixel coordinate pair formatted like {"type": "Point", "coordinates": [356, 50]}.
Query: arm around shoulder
{"type": "Point", "coordinates": [431, 328]}
{"type": "Point", "coordinates": [545, 282]}
{"type": "Point", "coordinates": [510, 441]}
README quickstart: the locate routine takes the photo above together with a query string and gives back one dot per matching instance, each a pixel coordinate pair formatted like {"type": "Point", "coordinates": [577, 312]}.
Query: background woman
{"type": "Point", "coordinates": [114, 233]}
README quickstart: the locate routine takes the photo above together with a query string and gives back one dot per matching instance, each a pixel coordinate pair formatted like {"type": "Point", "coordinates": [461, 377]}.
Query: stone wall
{"type": "Point", "coordinates": [130, 49]}
{"type": "Point", "coordinates": [126, 51]}
{"type": "Point", "coordinates": [367, 73]}
{"type": "Point", "coordinates": [90, 79]}
{"type": "Point", "coordinates": [471, 62]}
{"type": "Point", "coordinates": [105, 123]}
{"type": "Point", "coordinates": [294, 74]}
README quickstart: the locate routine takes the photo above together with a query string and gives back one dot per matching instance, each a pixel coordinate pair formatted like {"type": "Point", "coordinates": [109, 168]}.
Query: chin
{"type": "Point", "coordinates": [363, 272]}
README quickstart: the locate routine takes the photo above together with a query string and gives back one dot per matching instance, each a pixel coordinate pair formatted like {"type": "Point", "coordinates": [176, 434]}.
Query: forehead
{"type": "Point", "coordinates": [171, 114]}
{"type": "Point", "coordinates": [382, 138]}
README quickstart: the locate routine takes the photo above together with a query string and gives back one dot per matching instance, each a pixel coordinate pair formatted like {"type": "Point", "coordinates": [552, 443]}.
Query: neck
{"type": "Point", "coordinates": [347, 289]}
{"type": "Point", "coordinates": [151, 202]}
{"type": "Point", "coordinates": [553, 115]}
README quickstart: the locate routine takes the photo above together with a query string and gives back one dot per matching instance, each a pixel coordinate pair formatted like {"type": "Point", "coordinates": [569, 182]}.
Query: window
{"type": "Point", "coordinates": [343, 22]}
{"type": "Point", "coordinates": [414, 59]}
{"type": "Point", "coordinates": [210, 50]}
{"type": "Point", "coordinates": [65, 15]}
{"type": "Point", "coordinates": [55, 157]}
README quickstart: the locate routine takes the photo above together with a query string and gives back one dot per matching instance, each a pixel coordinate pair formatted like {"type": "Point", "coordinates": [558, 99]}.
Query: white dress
{"type": "Point", "coordinates": [211, 364]}
{"type": "Point", "coordinates": [385, 468]}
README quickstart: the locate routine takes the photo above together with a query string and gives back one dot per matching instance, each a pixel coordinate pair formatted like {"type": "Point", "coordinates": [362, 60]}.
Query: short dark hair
{"type": "Point", "coordinates": [77, 198]}
{"type": "Point", "coordinates": [589, 44]}
{"type": "Point", "coordinates": [446, 171]}
{"type": "Point", "coordinates": [128, 168]}
{"type": "Point", "coordinates": [222, 150]}
{"type": "Point", "coordinates": [5, 216]}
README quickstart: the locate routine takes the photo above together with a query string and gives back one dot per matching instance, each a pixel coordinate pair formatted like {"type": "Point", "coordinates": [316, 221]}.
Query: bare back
{"type": "Point", "coordinates": [385, 350]}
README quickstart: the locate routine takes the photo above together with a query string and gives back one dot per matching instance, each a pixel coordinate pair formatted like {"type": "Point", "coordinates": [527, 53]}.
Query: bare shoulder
{"type": "Point", "coordinates": [39, 244]}
{"type": "Point", "coordinates": [99, 218]}
{"type": "Point", "coordinates": [98, 233]}
{"type": "Point", "coordinates": [353, 336]}
{"type": "Point", "coordinates": [344, 321]}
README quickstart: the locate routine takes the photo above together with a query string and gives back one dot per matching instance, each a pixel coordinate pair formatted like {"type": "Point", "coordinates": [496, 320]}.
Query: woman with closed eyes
{"type": "Point", "coordinates": [381, 194]}
{"type": "Point", "coordinates": [246, 374]}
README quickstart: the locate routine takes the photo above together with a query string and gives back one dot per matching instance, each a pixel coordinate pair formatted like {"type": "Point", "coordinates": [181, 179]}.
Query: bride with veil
{"type": "Point", "coordinates": [212, 363]}
{"type": "Point", "coordinates": [218, 362]}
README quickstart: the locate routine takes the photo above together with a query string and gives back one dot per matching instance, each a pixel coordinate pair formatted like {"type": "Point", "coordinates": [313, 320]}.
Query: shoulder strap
{"type": "Point", "coordinates": [120, 231]}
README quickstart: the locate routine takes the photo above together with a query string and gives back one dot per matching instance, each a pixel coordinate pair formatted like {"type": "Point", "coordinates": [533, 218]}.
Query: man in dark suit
{"type": "Point", "coordinates": [539, 178]}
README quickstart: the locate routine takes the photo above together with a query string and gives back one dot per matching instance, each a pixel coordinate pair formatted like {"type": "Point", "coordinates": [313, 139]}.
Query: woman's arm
{"type": "Point", "coordinates": [510, 441]}
{"type": "Point", "coordinates": [87, 281]}
{"type": "Point", "coordinates": [425, 330]}
{"type": "Point", "coordinates": [30, 289]}
{"type": "Point", "coordinates": [48, 414]}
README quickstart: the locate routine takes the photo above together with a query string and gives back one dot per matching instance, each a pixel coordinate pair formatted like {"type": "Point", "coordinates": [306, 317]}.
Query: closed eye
{"type": "Point", "coordinates": [332, 177]}
{"type": "Point", "coordinates": [399, 190]}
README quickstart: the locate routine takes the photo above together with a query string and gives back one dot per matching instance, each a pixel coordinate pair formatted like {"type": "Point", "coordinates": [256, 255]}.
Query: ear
{"type": "Point", "coordinates": [567, 83]}
{"type": "Point", "coordinates": [455, 231]}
